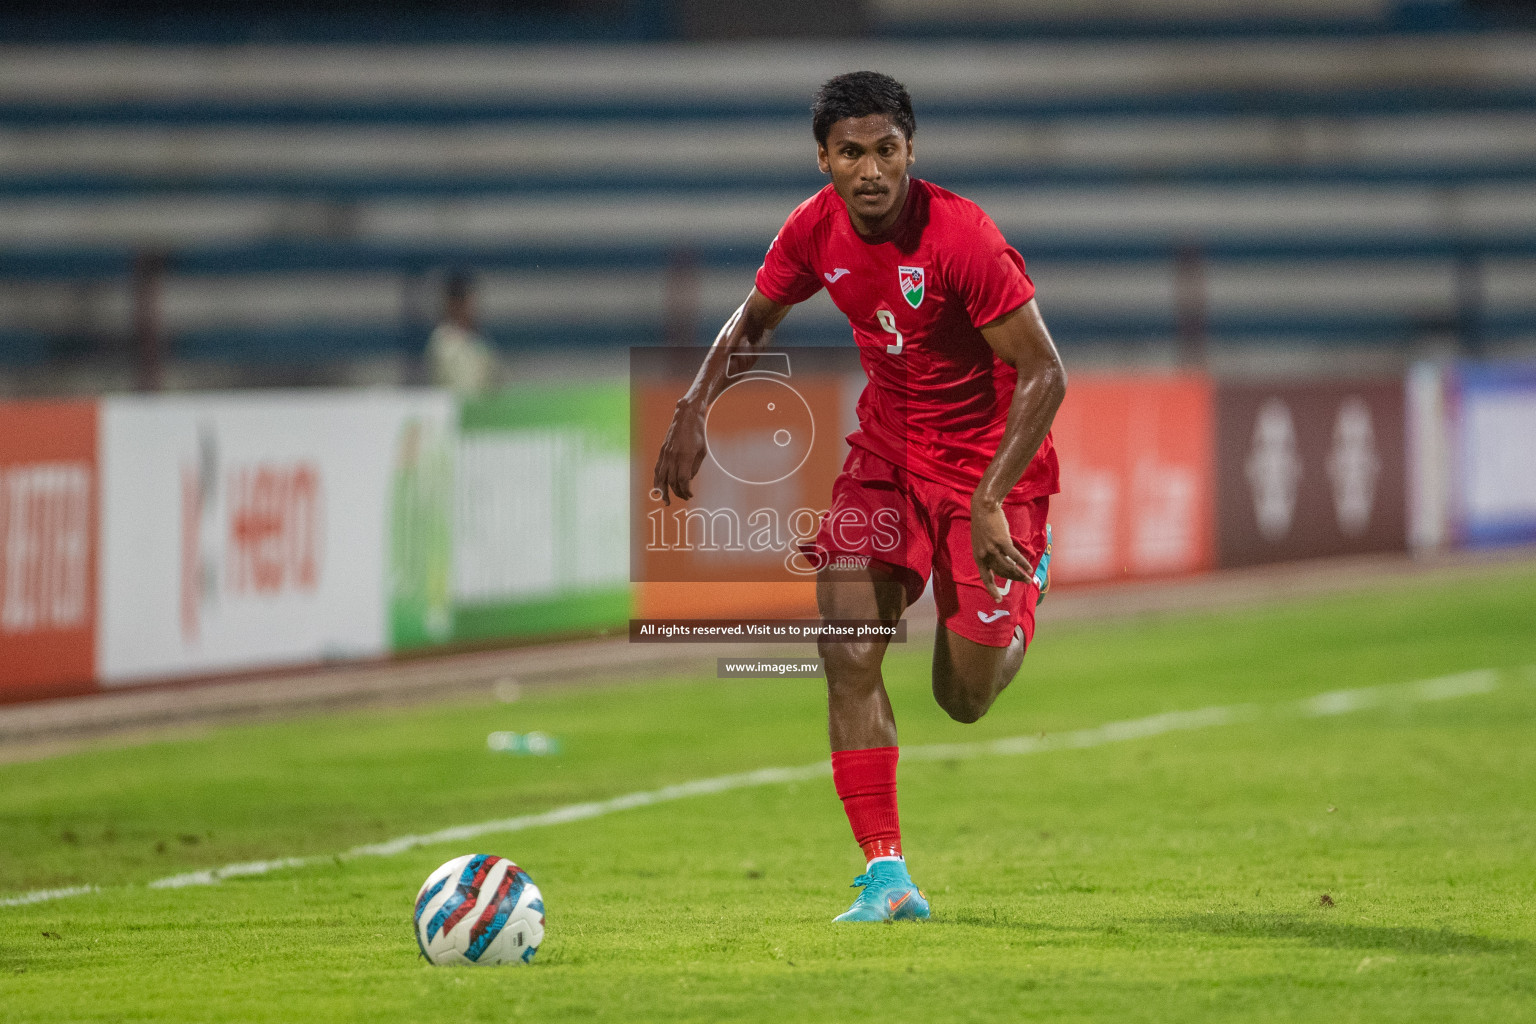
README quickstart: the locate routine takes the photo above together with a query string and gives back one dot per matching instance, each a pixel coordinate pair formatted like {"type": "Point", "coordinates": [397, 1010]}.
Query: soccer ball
{"type": "Point", "coordinates": [479, 909]}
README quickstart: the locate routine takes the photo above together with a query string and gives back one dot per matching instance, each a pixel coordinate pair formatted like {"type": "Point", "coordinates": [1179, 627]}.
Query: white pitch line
{"type": "Point", "coordinates": [558, 816]}
{"type": "Point", "coordinates": [1335, 702]}
{"type": "Point", "coordinates": [44, 895]}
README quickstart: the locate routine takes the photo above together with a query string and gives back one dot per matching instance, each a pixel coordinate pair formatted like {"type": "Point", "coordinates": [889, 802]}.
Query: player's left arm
{"type": "Point", "coordinates": [1020, 339]}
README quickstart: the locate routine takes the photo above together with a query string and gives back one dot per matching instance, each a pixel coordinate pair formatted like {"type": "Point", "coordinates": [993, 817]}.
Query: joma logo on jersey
{"type": "Point", "coordinates": [912, 280]}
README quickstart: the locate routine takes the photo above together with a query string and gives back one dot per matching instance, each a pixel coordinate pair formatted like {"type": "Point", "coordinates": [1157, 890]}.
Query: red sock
{"type": "Point", "coordinates": [866, 783]}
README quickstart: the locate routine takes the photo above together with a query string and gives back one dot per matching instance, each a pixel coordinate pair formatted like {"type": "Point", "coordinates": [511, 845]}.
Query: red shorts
{"type": "Point", "coordinates": [882, 513]}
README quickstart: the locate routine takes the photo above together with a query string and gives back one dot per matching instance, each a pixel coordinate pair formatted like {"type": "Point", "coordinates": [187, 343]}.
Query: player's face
{"type": "Point", "coordinates": [868, 158]}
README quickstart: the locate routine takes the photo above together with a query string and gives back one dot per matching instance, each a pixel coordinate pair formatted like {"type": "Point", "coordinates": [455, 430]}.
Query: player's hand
{"type": "Point", "coordinates": [682, 453]}
{"type": "Point", "coordinates": [996, 554]}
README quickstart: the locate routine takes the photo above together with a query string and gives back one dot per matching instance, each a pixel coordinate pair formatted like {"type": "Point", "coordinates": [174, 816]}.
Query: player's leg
{"type": "Point", "coordinates": [980, 644]}
{"type": "Point", "coordinates": [862, 731]}
{"type": "Point", "coordinates": [968, 676]}
{"type": "Point", "coordinates": [876, 549]}
{"type": "Point", "coordinates": [858, 709]}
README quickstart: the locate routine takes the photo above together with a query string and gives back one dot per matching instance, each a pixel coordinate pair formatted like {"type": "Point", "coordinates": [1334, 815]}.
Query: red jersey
{"type": "Point", "coordinates": [937, 399]}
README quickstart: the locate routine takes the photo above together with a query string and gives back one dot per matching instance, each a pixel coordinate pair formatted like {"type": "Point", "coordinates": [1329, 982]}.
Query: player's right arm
{"type": "Point", "coordinates": [682, 453]}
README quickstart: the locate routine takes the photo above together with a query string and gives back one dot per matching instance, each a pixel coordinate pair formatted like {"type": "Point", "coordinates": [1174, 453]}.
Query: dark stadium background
{"type": "Point", "coordinates": [1287, 249]}
{"type": "Point", "coordinates": [336, 344]}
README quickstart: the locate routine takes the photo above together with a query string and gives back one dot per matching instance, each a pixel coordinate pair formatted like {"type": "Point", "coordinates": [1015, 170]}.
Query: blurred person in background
{"type": "Point", "coordinates": [458, 355]}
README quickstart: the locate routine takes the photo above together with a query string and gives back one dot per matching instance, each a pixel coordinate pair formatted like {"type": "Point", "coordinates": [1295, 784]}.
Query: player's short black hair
{"type": "Point", "coordinates": [859, 94]}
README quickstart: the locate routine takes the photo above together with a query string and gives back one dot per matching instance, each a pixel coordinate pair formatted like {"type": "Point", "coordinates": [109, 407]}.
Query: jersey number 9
{"type": "Point", "coordinates": [888, 321]}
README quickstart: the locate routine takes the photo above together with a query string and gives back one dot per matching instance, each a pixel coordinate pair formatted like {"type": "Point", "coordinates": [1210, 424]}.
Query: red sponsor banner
{"type": "Point", "coordinates": [774, 445]}
{"type": "Point", "coordinates": [48, 501]}
{"type": "Point", "coordinates": [1137, 478]}
{"type": "Point", "coordinates": [749, 516]}
{"type": "Point", "coordinates": [704, 578]}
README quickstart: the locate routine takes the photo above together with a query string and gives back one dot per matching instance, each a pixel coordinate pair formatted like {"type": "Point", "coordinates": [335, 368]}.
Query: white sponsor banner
{"type": "Point", "coordinates": [1499, 432]}
{"type": "Point", "coordinates": [243, 531]}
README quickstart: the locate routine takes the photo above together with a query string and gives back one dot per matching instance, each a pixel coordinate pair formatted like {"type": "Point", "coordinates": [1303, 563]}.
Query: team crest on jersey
{"type": "Point", "coordinates": [912, 281]}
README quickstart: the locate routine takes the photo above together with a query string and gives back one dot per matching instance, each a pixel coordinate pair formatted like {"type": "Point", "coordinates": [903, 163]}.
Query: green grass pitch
{"type": "Point", "coordinates": [1176, 877]}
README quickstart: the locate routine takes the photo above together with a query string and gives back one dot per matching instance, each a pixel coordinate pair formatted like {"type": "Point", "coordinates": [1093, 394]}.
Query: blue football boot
{"type": "Point", "coordinates": [1043, 570]}
{"type": "Point", "coordinates": [888, 895]}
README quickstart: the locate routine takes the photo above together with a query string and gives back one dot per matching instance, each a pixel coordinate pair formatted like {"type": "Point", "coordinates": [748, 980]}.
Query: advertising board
{"type": "Point", "coordinates": [1309, 469]}
{"type": "Point", "coordinates": [774, 442]}
{"type": "Point", "coordinates": [244, 531]}
{"type": "Point", "coordinates": [540, 516]}
{"type": "Point", "coordinates": [1494, 460]}
{"type": "Point", "coordinates": [1136, 484]}
{"type": "Point", "coordinates": [48, 530]}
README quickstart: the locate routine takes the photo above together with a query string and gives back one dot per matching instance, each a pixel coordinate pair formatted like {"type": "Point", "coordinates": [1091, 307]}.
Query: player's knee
{"type": "Point", "coordinates": [962, 704]}
{"type": "Point", "coordinates": [968, 677]}
{"type": "Point", "coordinates": [850, 660]}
